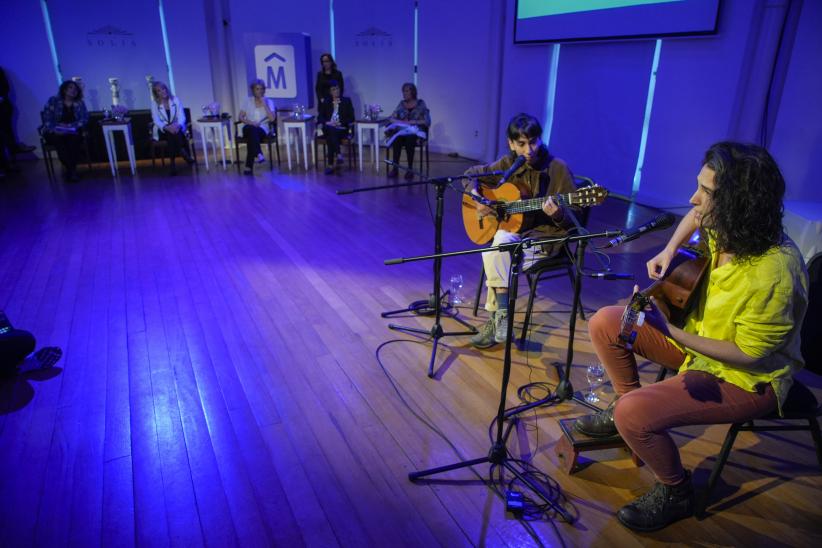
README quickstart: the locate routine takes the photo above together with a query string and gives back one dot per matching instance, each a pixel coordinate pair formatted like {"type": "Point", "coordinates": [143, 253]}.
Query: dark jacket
{"type": "Point", "coordinates": [326, 110]}
{"type": "Point", "coordinates": [549, 176]}
{"type": "Point", "coordinates": [323, 84]}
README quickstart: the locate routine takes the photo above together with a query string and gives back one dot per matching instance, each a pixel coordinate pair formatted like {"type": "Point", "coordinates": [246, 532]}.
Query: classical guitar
{"type": "Point", "coordinates": [509, 208]}
{"type": "Point", "coordinates": [674, 293]}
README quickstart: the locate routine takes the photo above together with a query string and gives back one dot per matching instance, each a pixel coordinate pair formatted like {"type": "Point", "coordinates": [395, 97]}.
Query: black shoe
{"type": "Point", "coordinates": [394, 173]}
{"type": "Point", "coordinates": [659, 507]}
{"type": "Point", "coordinates": [188, 159]}
{"type": "Point", "coordinates": [409, 175]}
{"type": "Point", "coordinates": [248, 171]}
{"type": "Point", "coordinates": [329, 171]}
{"type": "Point", "coordinates": [598, 425]}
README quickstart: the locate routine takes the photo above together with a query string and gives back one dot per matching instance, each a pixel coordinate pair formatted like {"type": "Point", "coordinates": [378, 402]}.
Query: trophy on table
{"type": "Point", "coordinates": [150, 84]}
{"type": "Point", "coordinates": [115, 91]}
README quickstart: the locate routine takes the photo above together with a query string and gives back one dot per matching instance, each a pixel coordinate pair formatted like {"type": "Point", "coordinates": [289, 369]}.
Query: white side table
{"type": "Point", "coordinates": [303, 126]}
{"type": "Point", "coordinates": [373, 128]}
{"type": "Point", "coordinates": [109, 128]}
{"type": "Point", "coordinates": [215, 129]}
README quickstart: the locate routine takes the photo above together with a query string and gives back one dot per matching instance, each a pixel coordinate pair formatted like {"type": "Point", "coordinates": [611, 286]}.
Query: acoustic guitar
{"type": "Point", "coordinates": [674, 294]}
{"type": "Point", "coordinates": [509, 208]}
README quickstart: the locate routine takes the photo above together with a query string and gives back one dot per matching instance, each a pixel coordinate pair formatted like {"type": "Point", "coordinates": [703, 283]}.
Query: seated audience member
{"type": "Point", "coordinates": [17, 351]}
{"type": "Point", "coordinates": [257, 112]}
{"type": "Point", "coordinates": [328, 73]}
{"type": "Point", "coordinates": [336, 115]}
{"type": "Point", "coordinates": [65, 117]}
{"type": "Point", "coordinates": [8, 142]}
{"type": "Point", "coordinates": [543, 175]}
{"type": "Point", "coordinates": [170, 123]}
{"type": "Point", "coordinates": [739, 348]}
{"type": "Point", "coordinates": [409, 121]}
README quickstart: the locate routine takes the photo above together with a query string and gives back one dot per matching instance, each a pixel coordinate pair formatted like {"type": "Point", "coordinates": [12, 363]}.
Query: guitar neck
{"type": "Point", "coordinates": [534, 204]}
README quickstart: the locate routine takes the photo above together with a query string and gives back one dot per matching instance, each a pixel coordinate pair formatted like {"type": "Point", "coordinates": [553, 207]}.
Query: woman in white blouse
{"type": "Point", "coordinates": [170, 123]}
{"type": "Point", "coordinates": [257, 113]}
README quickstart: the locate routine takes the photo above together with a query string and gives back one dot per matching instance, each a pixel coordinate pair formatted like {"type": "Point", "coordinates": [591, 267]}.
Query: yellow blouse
{"type": "Point", "coordinates": [759, 305]}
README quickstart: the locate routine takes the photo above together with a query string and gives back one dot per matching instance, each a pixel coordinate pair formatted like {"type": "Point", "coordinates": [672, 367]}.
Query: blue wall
{"type": "Point", "coordinates": [474, 78]}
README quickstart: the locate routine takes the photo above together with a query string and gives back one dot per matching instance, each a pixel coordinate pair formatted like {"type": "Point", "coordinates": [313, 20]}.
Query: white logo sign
{"type": "Point", "coordinates": [276, 67]}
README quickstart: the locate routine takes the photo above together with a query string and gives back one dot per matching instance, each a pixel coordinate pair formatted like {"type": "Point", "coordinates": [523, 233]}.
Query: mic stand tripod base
{"type": "Point", "coordinates": [498, 456]}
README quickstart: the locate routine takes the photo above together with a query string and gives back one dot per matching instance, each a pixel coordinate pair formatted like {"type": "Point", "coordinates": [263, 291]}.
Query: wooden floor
{"type": "Point", "coordinates": [228, 379]}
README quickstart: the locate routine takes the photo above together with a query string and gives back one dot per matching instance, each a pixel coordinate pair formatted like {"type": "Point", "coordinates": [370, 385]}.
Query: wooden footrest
{"type": "Point", "coordinates": [573, 443]}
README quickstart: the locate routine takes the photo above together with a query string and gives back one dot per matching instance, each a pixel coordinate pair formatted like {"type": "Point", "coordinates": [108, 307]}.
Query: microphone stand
{"type": "Point", "coordinates": [436, 332]}
{"type": "Point", "coordinates": [498, 454]}
{"type": "Point", "coordinates": [565, 390]}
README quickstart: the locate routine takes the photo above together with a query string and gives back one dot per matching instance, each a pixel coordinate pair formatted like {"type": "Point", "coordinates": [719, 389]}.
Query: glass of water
{"type": "Point", "coordinates": [596, 378]}
{"type": "Point", "coordinates": [456, 286]}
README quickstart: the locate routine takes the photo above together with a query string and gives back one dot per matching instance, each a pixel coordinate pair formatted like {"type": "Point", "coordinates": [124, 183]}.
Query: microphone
{"type": "Point", "coordinates": [518, 163]}
{"type": "Point", "coordinates": [610, 275]}
{"type": "Point", "coordinates": [660, 222]}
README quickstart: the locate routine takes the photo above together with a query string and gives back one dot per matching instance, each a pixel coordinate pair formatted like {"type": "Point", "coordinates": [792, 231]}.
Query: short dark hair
{"type": "Point", "coordinates": [257, 82]}
{"type": "Point", "coordinates": [333, 84]}
{"type": "Point", "coordinates": [64, 86]}
{"type": "Point", "coordinates": [524, 125]}
{"type": "Point", "coordinates": [746, 215]}
{"type": "Point", "coordinates": [412, 87]}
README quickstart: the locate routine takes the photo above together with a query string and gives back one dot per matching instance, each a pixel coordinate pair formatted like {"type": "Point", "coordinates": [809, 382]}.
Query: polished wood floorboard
{"type": "Point", "coordinates": [228, 380]}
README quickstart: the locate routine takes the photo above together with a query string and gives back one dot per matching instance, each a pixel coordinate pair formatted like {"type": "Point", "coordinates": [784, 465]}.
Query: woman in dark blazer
{"type": "Point", "coordinates": [336, 116]}
{"type": "Point", "coordinates": [64, 118]}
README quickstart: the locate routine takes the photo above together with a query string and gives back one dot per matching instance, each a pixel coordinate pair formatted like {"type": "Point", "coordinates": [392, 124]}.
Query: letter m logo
{"type": "Point", "coordinates": [275, 66]}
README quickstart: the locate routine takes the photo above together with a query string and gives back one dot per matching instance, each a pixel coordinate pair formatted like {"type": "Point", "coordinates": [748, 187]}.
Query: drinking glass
{"type": "Point", "coordinates": [596, 378]}
{"type": "Point", "coordinates": [456, 286]}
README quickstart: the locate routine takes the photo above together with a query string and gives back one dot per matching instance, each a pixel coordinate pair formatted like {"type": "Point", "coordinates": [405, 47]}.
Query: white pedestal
{"type": "Point", "coordinates": [302, 127]}
{"type": "Point", "coordinates": [371, 127]}
{"type": "Point", "coordinates": [218, 132]}
{"type": "Point", "coordinates": [109, 128]}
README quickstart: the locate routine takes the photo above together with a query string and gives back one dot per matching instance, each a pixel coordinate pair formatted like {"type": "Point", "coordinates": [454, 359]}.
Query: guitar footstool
{"type": "Point", "coordinates": [573, 443]}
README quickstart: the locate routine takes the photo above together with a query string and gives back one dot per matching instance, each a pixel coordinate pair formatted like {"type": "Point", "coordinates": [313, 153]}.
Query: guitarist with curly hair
{"type": "Point", "coordinates": [540, 175]}
{"type": "Point", "coordinates": [739, 347]}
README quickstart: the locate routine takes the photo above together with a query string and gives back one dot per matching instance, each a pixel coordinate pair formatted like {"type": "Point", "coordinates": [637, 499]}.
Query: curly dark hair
{"type": "Point", "coordinates": [746, 217]}
{"type": "Point", "coordinates": [412, 87]}
{"type": "Point", "coordinates": [64, 86]}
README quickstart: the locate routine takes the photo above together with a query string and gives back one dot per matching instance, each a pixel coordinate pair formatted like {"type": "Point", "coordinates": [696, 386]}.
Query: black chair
{"type": "Point", "coordinates": [800, 405]}
{"type": "Point", "coordinates": [159, 144]}
{"type": "Point", "coordinates": [271, 139]}
{"type": "Point", "coordinates": [347, 141]}
{"type": "Point", "coordinates": [421, 152]}
{"type": "Point", "coordinates": [546, 269]}
{"type": "Point", "coordinates": [49, 148]}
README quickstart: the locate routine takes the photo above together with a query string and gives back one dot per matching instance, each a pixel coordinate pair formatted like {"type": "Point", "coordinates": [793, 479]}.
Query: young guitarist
{"type": "Point", "coordinates": [739, 347]}
{"type": "Point", "coordinates": [541, 175]}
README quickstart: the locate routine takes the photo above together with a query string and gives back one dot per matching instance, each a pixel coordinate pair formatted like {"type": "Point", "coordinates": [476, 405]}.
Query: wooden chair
{"type": "Point", "coordinates": [321, 142]}
{"type": "Point", "coordinates": [421, 152]}
{"type": "Point", "coordinates": [271, 139]}
{"type": "Point", "coordinates": [801, 410]}
{"type": "Point", "coordinates": [155, 144]}
{"type": "Point", "coordinates": [49, 148]}
{"type": "Point", "coordinates": [546, 269]}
